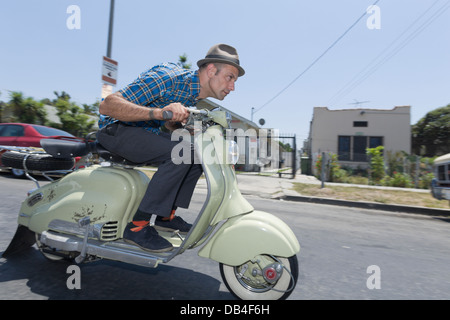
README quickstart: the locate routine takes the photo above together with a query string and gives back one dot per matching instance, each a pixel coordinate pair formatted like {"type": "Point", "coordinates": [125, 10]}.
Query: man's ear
{"type": "Point", "coordinates": [211, 70]}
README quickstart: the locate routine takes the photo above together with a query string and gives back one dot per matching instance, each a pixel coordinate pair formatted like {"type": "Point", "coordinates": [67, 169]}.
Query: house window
{"type": "Point", "coordinates": [441, 173]}
{"type": "Point", "coordinates": [360, 124]}
{"type": "Point", "coordinates": [375, 142]}
{"type": "Point", "coordinates": [344, 146]}
{"type": "Point", "coordinates": [353, 148]}
{"type": "Point", "coordinates": [359, 148]}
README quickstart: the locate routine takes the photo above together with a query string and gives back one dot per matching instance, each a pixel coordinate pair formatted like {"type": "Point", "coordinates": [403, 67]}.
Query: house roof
{"type": "Point", "coordinates": [208, 104]}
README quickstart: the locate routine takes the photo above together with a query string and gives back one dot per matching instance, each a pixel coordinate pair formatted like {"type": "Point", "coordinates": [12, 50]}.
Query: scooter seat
{"type": "Point", "coordinates": [64, 149]}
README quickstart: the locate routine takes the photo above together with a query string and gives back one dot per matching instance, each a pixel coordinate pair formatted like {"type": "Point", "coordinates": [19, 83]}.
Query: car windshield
{"type": "Point", "coordinates": [46, 131]}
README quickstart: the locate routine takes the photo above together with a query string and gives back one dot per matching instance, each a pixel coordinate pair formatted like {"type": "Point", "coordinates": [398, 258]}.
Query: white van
{"type": "Point", "coordinates": [440, 186]}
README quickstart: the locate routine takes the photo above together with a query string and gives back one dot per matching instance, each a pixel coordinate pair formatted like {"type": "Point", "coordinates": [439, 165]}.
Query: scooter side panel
{"type": "Point", "coordinates": [235, 204]}
{"type": "Point", "coordinates": [242, 238]}
{"type": "Point", "coordinates": [224, 198]}
{"type": "Point", "coordinates": [103, 194]}
{"type": "Point", "coordinates": [223, 183]}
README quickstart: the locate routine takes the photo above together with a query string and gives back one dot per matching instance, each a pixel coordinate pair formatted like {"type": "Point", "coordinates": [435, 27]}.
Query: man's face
{"type": "Point", "coordinates": [222, 81]}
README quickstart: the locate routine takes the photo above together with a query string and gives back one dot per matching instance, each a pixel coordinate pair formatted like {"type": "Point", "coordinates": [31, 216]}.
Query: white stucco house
{"type": "Point", "coordinates": [348, 132]}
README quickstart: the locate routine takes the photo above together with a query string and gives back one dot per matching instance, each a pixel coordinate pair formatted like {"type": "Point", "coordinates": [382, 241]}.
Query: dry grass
{"type": "Point", "coordinates": [399, 197]}
{"type": "Point", "coordinates": [410, 198]}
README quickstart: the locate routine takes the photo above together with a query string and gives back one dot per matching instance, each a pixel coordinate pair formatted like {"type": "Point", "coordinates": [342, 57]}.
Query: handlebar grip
{"type": "Point", "coordinates": [167, 115]}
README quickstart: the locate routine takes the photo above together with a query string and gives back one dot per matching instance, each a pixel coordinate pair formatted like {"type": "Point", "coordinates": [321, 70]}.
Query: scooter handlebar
{"type": "Point", "coordinates": [195, 111]}
{"type": "Point", "coordinates": [167, 115]}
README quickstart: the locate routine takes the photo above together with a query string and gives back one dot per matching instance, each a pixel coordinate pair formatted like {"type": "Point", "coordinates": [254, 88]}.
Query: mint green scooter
{"type": "Point", "coordinates": [82, 216]}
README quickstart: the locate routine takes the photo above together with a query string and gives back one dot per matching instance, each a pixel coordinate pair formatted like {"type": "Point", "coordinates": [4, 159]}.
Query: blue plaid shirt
{"type": "Point", "coordinates": [158, 87]}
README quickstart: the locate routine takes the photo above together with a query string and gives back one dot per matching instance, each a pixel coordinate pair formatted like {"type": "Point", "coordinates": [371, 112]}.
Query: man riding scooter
{"type": "Point", "coordinates": [130, 124]}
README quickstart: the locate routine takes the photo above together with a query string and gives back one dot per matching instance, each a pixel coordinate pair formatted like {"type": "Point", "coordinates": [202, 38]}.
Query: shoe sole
{"type": "Point", "coordinates": [147, 249]}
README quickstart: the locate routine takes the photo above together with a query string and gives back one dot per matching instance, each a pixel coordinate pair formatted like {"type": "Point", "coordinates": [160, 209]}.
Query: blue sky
{"type": "Point", "coordinates": [404, 62]}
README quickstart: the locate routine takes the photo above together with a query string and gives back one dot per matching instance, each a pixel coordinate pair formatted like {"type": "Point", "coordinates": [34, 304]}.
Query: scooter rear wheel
{"type": "Point", "coordinates": [259, 280]}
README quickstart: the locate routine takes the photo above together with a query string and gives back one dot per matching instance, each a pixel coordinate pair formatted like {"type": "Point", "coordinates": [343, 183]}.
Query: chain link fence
{"type": "Point", "coordinates": [394, 170]}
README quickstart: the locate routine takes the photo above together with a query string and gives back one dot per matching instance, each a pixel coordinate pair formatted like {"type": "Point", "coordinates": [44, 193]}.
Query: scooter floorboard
{"type": "Point", "coordinates": [117, 250]}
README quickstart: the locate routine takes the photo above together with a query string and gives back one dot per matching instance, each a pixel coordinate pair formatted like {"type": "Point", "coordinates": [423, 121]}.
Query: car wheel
{"type": "Point", "coordinates": [18, 173]}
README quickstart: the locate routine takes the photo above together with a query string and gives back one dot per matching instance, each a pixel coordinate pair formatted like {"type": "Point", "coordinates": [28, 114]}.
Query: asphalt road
{"type": "Point", "coordinates": [346, 254]}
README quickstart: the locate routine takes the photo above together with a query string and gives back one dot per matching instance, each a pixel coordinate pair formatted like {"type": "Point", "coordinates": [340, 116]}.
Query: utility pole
{"type": "Point", "coordinates": [110, 29]}
{"type": "Point", "coordinates": [110, 66]}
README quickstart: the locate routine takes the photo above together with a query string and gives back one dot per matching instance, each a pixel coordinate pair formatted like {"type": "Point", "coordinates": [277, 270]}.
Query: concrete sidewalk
{"type": "Point", "coordinates": [273, 187]}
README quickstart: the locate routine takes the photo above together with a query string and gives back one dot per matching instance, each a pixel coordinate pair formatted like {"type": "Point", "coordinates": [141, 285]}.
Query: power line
{"type": "Point", "coordinates": [374, 64]}
{"type": "Point", "coordinates": [356, 81]}
{"type": "Point", "coordinates": [315, 61]}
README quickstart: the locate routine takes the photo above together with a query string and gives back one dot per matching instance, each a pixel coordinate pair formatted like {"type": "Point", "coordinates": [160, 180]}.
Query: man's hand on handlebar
{"type": "Point", "coordinates": [179, 112]}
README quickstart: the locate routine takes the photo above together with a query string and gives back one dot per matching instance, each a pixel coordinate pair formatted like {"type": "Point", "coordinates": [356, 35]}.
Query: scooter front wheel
{"type": "Point", "coordinates": [263, 278]}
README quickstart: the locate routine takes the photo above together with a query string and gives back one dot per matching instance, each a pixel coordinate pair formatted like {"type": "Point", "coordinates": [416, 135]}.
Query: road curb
{"type": "Point", "coordinates": [368, 205]}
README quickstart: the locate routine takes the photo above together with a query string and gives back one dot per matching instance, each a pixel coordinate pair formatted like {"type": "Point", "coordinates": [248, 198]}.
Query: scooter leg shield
{"type": "Point", "coordinates": [23, 239]}
{"type": "Point", "coordinates": [244, 237]}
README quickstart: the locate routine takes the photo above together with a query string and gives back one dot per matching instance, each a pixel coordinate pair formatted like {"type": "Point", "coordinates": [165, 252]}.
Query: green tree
{"type": "Point", "coordinates": [2, 106]}
{"type": "Point", "coordinates": [333, 171]}
{"type": "Point", "coordinates": [72, 117]}
{"type": "Point", "coordinates": [431, 134]}
{"type": "Point", "coordinates": [285, 146]}
{"type": "Point", "coordinates": [182, 62]}
{"type": "Point", "coordinates": [92, 109]}
{"type": "Point", "coordinates": [61, 96]}
{"type": "Point", "coordinates": [376, 164]}
{"type": "Point", "coordinates": [26, 109]}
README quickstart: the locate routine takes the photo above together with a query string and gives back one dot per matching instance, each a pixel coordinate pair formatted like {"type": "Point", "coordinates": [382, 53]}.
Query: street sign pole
{"type": "Point", "coordinates": [109, 66]}
{"type": "Point", "coordinates": [110, 29]}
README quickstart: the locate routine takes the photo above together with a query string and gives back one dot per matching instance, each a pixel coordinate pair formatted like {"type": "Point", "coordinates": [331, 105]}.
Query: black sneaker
{"type": "Point", "coordinates": [146, 237]}
{"type": "Point", "coordinates": [177, 223]}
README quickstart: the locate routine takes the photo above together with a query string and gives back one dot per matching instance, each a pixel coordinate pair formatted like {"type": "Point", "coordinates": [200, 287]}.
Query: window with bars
{"type": "Point", "coordinates": [353, 148]}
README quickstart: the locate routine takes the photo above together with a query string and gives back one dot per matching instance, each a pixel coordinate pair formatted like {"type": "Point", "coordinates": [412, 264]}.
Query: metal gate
{"type": "Point", "coordinates": [266, 152]}
{"type": "Point", "coordinates": [289, 160]}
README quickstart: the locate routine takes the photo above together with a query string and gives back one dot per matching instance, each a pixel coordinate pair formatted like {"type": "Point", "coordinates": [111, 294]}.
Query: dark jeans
{"type": "Point", "coordinates": [172, 185]}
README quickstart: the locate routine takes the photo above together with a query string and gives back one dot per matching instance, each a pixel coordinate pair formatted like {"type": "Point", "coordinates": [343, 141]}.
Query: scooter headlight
{"type": "Point", "coordinates": [233, 152]}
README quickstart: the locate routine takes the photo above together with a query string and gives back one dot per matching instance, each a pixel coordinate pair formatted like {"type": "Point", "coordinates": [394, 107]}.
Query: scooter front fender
{"type": "Point", "coordinates": [244, 237]}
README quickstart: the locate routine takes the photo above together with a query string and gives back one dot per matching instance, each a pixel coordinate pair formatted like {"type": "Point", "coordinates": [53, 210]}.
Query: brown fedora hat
{"type": "Point", "coordinates": [223, 53]}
